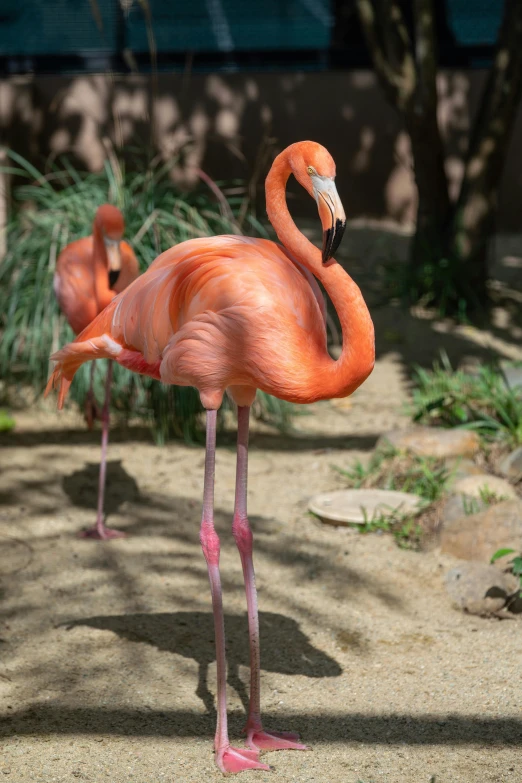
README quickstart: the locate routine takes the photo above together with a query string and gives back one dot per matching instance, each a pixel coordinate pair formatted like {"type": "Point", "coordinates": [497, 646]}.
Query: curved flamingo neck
{"type": "Point", "coordinates": [336, 378]}
{"type": "Point", "coordinates": [102, 291]}
{"type": "Point", "coordinates": [279, 216]}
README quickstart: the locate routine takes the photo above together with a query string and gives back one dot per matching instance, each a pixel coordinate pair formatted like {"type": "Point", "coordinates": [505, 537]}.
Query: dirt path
{"type": "Point", "coordinates": [107, 670]}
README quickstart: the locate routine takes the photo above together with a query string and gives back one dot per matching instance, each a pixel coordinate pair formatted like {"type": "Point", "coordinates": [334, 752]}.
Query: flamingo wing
{"type": "Point", "coordinates": [209, 313]}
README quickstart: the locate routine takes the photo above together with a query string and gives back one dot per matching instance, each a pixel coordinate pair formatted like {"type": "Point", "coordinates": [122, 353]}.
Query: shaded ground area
{"type": "Point", "coordinates": [107, 665]}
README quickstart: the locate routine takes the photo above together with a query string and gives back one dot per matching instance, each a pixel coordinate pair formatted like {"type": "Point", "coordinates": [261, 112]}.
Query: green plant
{"type": "Point", "coordinates": [470, 505]}
{"type": "Point", "coordinates": [7, 423]}
{"type": "Point", "coordinates": [515, 565]}
{"type": "Point", "coordinates": [489, 497]}
{"type": "Point", "coordinates": [405, 530]}
{"type": "Point", "coordinates": [435, 282]}
{"type": "Point", "coordinates": [473, 505]}
{"type": "Point", "coordinates": [51, 210]}
{"type": "Point", "coordinates": [483, 401]}
{"type": "Point", "coordinates": [389, 469]}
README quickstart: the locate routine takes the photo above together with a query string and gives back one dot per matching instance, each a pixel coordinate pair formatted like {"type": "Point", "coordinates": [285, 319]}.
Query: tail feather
{"type": "Point", "coordinates": [57, 381]}
{"type": "Point", "coordinates": [94, 342]}
{"type": "Point", "coordinates": [71, 358]}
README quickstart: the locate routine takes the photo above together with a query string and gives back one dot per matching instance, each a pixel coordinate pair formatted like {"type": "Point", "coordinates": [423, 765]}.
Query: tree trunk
{"type": "Point", "coordinates": [407, 70]}
{"type": "Point", "coordinates": [448, 259]}
{"type": "Point", "coordinates": [474, 214]}
{"type": "Point", "coordinates": [420, 118]}
{"type": "Point", "coordinates": [433, 212]}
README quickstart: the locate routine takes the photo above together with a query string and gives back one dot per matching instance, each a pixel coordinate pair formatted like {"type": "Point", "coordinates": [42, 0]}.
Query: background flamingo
{"type": "Point", "coordinates": [234, 313]}
{"type": "Point", "coordinates": [89, 274]}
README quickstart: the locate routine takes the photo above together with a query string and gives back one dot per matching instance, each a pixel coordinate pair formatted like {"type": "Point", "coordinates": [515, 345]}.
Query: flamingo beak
{"type": "Point", "coordinates": [112, 247]}
{"type": "Point", "coordinates": [331, 212]}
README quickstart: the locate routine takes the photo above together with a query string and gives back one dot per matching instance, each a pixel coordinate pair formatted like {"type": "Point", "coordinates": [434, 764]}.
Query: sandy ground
{"type": "Point", "coordinates": [107, 670]}
{"type": "Point", "coordinates": [107, 666]}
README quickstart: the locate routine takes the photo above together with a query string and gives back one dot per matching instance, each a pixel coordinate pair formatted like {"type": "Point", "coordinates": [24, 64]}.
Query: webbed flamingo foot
{"type": "Point", "coordinates": [102, 533]}
{"type": "Point", "coordinates": [257, 739]}
{"type": "Point", "coordinates": [231, 760]}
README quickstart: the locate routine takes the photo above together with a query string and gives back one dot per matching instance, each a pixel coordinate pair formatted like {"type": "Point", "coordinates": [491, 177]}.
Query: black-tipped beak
{"type": "Point", "coordinates": [332, 239]}
{"type": "Point", "coordinates": [332, 215]}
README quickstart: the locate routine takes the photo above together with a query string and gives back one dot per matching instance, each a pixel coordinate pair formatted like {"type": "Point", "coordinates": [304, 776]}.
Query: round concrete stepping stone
{"type": "Point", "coordinates": [357, 506]}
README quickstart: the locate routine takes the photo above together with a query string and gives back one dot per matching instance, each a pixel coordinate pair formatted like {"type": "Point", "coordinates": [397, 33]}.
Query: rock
{"type": "Point", "coordinates": [480, 589]}
{"type": "Point", "coordinates": [478, 536]}
{"type": "Point", "coordinates": [357, 506]}
{"type": "Point", "coordinates": [459, 467]}
{"type": "Point", "coordinates": [484, 484]}
{"type": "Point", "coordinates": [511, 466]}
{"type": "Point", "coordinates": [457, 506]}
{"type": "Point", "coordinates": [515, 605]}
{"type": "Point", "coordinates": [433, 441]}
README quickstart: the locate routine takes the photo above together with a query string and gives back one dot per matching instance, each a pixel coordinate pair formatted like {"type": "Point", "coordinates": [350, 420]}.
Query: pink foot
{"type": "Point", "coordinates": [105, 534]}
{"type": "Point", "coordinates": [236, 760]}
{"type": "Point", "coordinates": [273, 740]}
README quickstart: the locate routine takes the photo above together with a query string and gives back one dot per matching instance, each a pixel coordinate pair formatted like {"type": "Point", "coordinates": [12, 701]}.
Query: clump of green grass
{"type": "Point", "coordinates": [7, 423]}
{"type": "Point", "coordinates": [483, 401]}
{"type": "Point", "coordinates": [49, 211]}
{"type": "Point", "coordinates": [406, 531]}
{"type": "Point", "coordinates": [486, 498]}
{"type": "Point", "coordinates": [489, 497]}
{"type": "Point", "coordinates": [390, 469]}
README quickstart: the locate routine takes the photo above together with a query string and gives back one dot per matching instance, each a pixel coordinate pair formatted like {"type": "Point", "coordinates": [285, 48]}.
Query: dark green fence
{"type": "Point", "coordinates": [89, 35]}
{"type": "Point", "coordinates": [65, 27]}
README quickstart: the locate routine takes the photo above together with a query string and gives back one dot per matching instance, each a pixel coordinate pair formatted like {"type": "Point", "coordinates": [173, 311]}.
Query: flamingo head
{"type": "Point", "coordinates": [109, 221]}
{"type": "Point", "coordinates": [314, 169]}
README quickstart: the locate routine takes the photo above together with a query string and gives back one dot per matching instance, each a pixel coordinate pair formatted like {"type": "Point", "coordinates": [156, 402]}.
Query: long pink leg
{"type": "Point", "coordinates": [99, 530]}
{"type": "Point", "coordinates": [228, 759]}
{"type": "Point", "coordinates": [257, 738]}
{"type": "Point", "coordinates": [91, 409]}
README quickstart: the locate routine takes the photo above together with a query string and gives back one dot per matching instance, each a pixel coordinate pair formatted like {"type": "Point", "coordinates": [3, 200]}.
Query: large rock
{"type": "Point", "coordinates": [460, 467]}
{"type": "Point", "coordinates": [482, 485]}
{"type": "Point", "coordinates": [480, 589]}
{"type": "Point", "coordinates": [433, 441]}
{"type": "Point", "coordinates": [458, 506]}
{"type": "Point", "coordinates": [478, 536]}
{"type": "Point", "coordinates": [511, 466]}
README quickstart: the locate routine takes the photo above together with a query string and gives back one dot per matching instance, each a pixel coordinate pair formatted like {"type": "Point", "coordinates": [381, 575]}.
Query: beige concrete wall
{"type": "Point", "coordinates": [230, 125]}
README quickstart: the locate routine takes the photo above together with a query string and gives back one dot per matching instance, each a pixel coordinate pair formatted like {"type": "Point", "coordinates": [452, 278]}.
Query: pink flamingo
{"type": "Point", "coordinates": [239, 314]}
{"type": "Point", "coordinates": [89, 274]}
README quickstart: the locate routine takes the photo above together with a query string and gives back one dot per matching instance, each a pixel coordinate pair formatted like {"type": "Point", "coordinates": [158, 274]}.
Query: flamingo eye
{"type": "Point", "coordinates": [311, 170]}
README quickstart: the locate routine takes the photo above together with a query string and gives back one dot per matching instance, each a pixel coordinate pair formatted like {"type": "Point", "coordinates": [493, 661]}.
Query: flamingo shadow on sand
{"type": "Point", "coordinates": [287, 650]}
{"type": "Point", "coordinates": [81, 487]}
